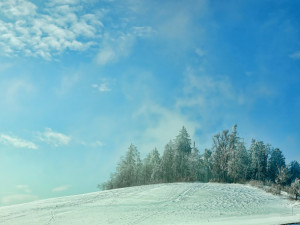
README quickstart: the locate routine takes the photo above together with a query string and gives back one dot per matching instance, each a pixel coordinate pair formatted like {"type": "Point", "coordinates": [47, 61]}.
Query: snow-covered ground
{"type": "Point", "coordinates": [178, 203]}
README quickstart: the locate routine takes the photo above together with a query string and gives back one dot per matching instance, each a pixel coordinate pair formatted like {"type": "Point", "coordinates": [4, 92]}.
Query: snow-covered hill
{"type": "Point", "coordinates": [178, 203]}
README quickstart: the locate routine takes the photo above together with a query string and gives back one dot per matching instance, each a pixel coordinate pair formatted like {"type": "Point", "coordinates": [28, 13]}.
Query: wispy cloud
{"type": "Point", "coordinates": [97, 144]}
{"type": "Point", "coordinates": [54, 138]}
{"type": "Point", "coordinates": [102, 87]}
{"type": "Point", "coordinates": [67, 82]}
{"type": "Point", "coordinates": [207, 91]}
{"type": "Point", "coordinates": [162, 125]}
{"type": "Point", "coordinates": [29, 30]}
{"type": "Point", "coordinates": [17, 88]}
{"type": "Point", "coordinates": [118, 45]}
{"type": "Point", "coordinates": [61, 188]}
{"type": "Point", "coordinates": [5, 66]}
{"type": "Point", "coordinates": [94, 144]}
{"type": "Point", "coordinates": [17, 142]}
{"type": "Point", "coordinates": [24, 188]}
{"type": "Point", "coordinates": [18, 198]}
{"type": "Point", "coordinates": [295, 55]}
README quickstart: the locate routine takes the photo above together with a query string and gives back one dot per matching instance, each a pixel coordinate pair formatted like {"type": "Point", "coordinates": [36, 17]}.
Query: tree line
{"type": "Point", "coordinates": [227, 161]}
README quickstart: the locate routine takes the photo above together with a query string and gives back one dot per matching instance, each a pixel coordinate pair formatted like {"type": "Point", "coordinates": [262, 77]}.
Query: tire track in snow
{"type": "Point", "coordinates": [191, 188]}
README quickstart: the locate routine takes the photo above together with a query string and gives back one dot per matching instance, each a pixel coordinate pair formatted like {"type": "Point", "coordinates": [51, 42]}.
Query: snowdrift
{"type": "Point", "coordinates": [177, 203]}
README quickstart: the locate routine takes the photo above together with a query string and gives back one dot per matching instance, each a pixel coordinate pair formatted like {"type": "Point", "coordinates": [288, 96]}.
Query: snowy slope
{"type": "Point", "coordinates": [179, 203]}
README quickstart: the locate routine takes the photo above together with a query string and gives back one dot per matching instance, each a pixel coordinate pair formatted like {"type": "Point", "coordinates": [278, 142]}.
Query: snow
{"type": "Point", "coordinates": [177, 203]}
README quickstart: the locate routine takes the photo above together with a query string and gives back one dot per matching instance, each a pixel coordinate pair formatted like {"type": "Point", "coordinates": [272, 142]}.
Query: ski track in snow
{"type": "Point", "coordinates": [177, 203]}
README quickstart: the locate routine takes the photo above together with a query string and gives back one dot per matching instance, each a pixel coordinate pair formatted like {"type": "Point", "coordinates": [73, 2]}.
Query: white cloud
{"type": "Point", "coordinates": [116, 46]}
{"type": "Point", "coordinates": [200, 52]}
{"type": "Point", "coordinates": [17, 88]}
{"type": "Point", "coordinates": [18, 198]}
{"type": "Point", "coordinates": [16, 93]}
{"type": "Point", "coordinates": [61, 188]}
{"type": "Point", "coordinates": [97, 144]}
{"type": "Point", "coordinates": [56, 26]}
{"type": "Point", "coordinates": [106, 55]}
{"type": "Point", "coordinates": [207, 91]}
{"type": "Point", "coordinates": [51, 30]}
{"type": "Point", "coordinates": [102, 87]}
{"type": "Point", "coordinates": [162, 125]}
{"type": "Point", "coordinates": [17, 8]}
{"type": "Point", "coordinates": [94, 144]}
{"type": "Point", "coordinates": [17, 142]}
{"type": "Point", "coordinates": [54, 138]}
{"type": "Point", "coordinates": [67, 82]}
{"type": "Point", "coordinates": [5, 66]}
{"type": "Point", "coordinates": [63, 2]}
{"type": "Point", "coordinates": [295, 55]}
{"type": "Point", "coordinates": [24, 188]}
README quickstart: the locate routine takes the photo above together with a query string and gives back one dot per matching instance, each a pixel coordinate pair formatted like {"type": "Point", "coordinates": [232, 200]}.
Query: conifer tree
{"type": "Point", "coordinates": [181, 157]}
{"type": "Point", "coordinates": [294, 171]}
{"type": "Point", "coordinates": [238, 164]}
{"type": "Point", "coordinates": [221, 155]}
{"type": "Point", "coordinates": [207, 160]}
{"type": "Point", "coordinates": [195, 164]}
{"type": "Point", "coordinates": [167, 163]}
{"type": "Point", "coordinates": [276, 162]}
{"type": "Point", "coordinates": [183, 142]}
{"type": "Point", "coordinates": [259, 153]}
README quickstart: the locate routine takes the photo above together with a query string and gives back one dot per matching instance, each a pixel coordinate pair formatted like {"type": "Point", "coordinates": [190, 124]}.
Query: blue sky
{"type": "Point", "coordinates": [82, 80]}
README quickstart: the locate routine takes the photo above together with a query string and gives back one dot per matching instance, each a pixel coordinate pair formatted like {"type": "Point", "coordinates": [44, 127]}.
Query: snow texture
{"type": "Point", "coordinates": [177, 203]}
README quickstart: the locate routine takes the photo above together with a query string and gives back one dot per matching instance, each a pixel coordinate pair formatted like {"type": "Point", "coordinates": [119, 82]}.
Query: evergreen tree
{"type": "Point", "coordinates": [276, 161]}
{"type": "Point", "coordinates": [181, 157]}
{"type": "Point", "coordinates": [183, 142]}
{"type": "Point", "coordinates": [151, 168]}
{"type": "Point", "coordinates": [207, 160]}
{"type": "Point", "coordinates": [294, 171]}
{"type": "Point", "coordinates": [128, 172]}
{"type": "Point", "coordinates": [221, 155]}
{"type": "Point", "coordinates": [259, 157]}
{"type": "Point", "coordinates": [235, 149]}
{"type": "Point", "coordinates": [195, 164]}
{"type": "Point", "coordinates": [238, 164]}
{"type": "Point", "coordinates": [156, 166]}
{"type": "Point", "coordinates": [147, 169]}
{"type": "Point", "coordinates": [181, 166]}
{"type": "Point", "coordinates": [167, 163]}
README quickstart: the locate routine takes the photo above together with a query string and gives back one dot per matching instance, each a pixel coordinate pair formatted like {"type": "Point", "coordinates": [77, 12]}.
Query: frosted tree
{"type": "Point", "coordinates": [133, 165]}
{"type": "Point", "coordinates": [129, 170]}
{"type": "Point", "coordinates": [236, 156]}
{"type": "Point", "coordinates": [238, 164]}
{"type": "Point", "coordinates": [183, 142]}
{"type": "Point", "coordinates": [151, 168]}
{"type": "Point", "coordinates": [282, 176]}
{"type": "Point", "coordinates": [156, 169]}
{"type": "Point", "coordinates": [221, 155]}
{"type": "Point", "coordinates": [183, 149]}
{"type": "Point", "coordinates": [276, 161]}
{"type": "Point", "coordinates": [167, 163]}
{"type": "Point", "coordinates": [181, 166]}
{"type": "Point", "coordinates": [295, 188]}
{"type": "Point", "coordinates": [294, 171]}
{"type": "Point", "coordinates": [207, 160]}
{"type": "Point", "coordinates": [195, 164]}
{"type": "Point", "coordinates": [259, 157]}
{"type": "Point", "coordinates": [147, 169]}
